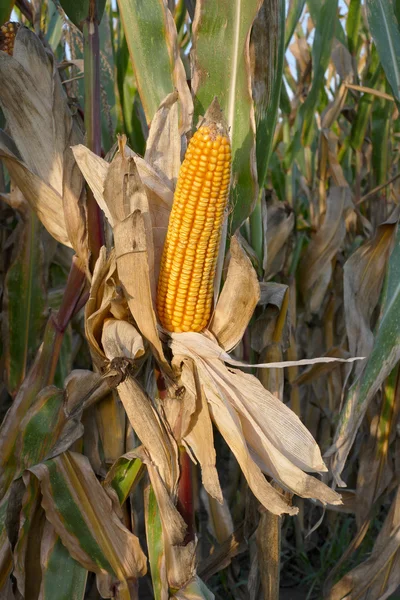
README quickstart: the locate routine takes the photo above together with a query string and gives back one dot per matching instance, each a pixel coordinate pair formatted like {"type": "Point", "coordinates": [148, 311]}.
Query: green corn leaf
{"type": "Point", "coordinates": [44, 428]}
{"type": "Point", "coordinates": [267, 40]}
{"type": "Point", "coordinates": [384, 355]}
{"type": "Point", "coordinates": [315, 8]}
{"type": "Point", "coordinates": [155, 544]}
{"type": "Point", "coordinates": [6, 7]}
{"type": "Point", "coordinates": [131, 106]}
{"type": "Point", "coordinates": [78, 10]}
{"type": "Point", "coordinates": [152, 41]}
{"type": "Point", "coordinates": [55, 26]}
{"type": "Point", "coordinates": [294, 13]}
{"type": "Point", "coordinates": [325, 31]}
{"type": "Point", "coordinates": [27, 549]}
{"type": "Point", "coordinates": [321, 52]}
{"type": "Point", "coordinates": [385, 31]}
{"type": "Point", "coordinates": [124, 475]}
{"type": "Point", "coordinates": [222, 68]}
{"type": "Point", "coordinates": [396, 7]}
{"type": "Point", "coordinates": [267, 44]}
{"type": "Point", "coordinates": [81, 513]}
{"type": "Point", "coordinates": [381, 133]}
{"type": "Point", "coordinates": [108, 99]}
{"type": "Point", "coordinates": [56, 559]}
{"type": "Point", "coordinates": [25, 299]}
{"type": "Point", "coordinates": [353, 23]}
{"type": "Point", "coordinates": [37, 378]}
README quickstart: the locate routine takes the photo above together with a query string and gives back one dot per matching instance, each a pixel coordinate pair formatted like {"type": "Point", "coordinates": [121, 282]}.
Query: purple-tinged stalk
{"type": "Point", "coordinates": [93, 122]}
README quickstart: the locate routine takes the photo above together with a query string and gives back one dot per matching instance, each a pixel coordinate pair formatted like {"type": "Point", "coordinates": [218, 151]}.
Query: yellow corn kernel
{"type": "Point", "coordinates": [8, 31]}
{"type": "Point", "coordinates": [185, 286]}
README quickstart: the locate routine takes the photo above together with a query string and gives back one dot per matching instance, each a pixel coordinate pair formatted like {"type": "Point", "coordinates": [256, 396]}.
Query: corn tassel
{"type": "Point", "coordinates": [186, 282]}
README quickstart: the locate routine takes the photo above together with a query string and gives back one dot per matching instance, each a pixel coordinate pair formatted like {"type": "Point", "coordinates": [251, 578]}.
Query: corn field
{"type": "Point", "coordinates": [200, 299]}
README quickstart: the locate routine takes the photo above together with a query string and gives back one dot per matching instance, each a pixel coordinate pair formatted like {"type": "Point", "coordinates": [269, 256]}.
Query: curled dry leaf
{"type": "Point", "coordinates": [98, 307]}
{"type": "Point", "coordinates": [316, 264]}
{"type": "Point", "coordinates": [238, 299]}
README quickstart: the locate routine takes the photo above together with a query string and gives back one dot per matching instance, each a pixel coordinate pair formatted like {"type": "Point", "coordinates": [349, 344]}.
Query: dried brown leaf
{"type": "Point", "coordinates": [280, 223]}
{"type": "Point", "coordinates": [363, 277]}
{"type": "Point", "coordinates": [237, 301]}
{"type": "Point", "coordinates": [44, 200]}
{"type": "Point", "coordinates": [316, 264]}
{"type": "Point", "coordinates": [376, 573]}
{"type": "Point", "coordinates": [163, 146]}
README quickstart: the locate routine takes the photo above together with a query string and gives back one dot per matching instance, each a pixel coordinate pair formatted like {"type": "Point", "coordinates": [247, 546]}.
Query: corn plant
{"type": "Point", "coordinates": [199, 292]}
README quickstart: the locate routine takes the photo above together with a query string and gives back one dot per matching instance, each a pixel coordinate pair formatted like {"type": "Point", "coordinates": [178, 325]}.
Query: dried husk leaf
{"type": "Point", "coordinates": [98, 307]}
{"type": "Point", "coordinates": [243, 409]}
{"type": "Point", "coordinates": [146, 422]}
{"type": "Point", "coordinates": [83, 388]}
{"type": "Point", "coordinates": [180, 401]}
{"type": "Point", "coordinates": [238, 299]}
{"type": "Point", "coordinates": [228, 422]}
{"type": "Point", "coordinates": [94, 169]}
{"type": "Point", "coordinates": [316, 267]}
{"type": "Point", "coordinates": [163, 146]}
{"type": "Point", "coordinates": [200, 437]}
{"type": "Point", "coordinates": [159, 193]}
{"type": "Point", "coordinates": [69, 486]}
{"type": "Point", "coordinates": [121, 339]}
{"type": "Point", "coordinates": [134, 274]}
{"type": "Point", "coordinates": [219, 523]}
{"type": "Point", "coordinates": [74, 205]}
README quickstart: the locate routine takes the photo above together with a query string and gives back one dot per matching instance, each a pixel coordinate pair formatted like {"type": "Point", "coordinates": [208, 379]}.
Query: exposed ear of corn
{"type": "Point", "coordinates": [185, 287]}
{"type": "Point", "coordinates": [8, 31]}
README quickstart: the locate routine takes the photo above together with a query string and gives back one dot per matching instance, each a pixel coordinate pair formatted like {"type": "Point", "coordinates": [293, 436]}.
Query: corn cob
{"type": "Point", "coordinates": [186, 282]}
{"type": "Point", "coordinates": [8, 31]}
